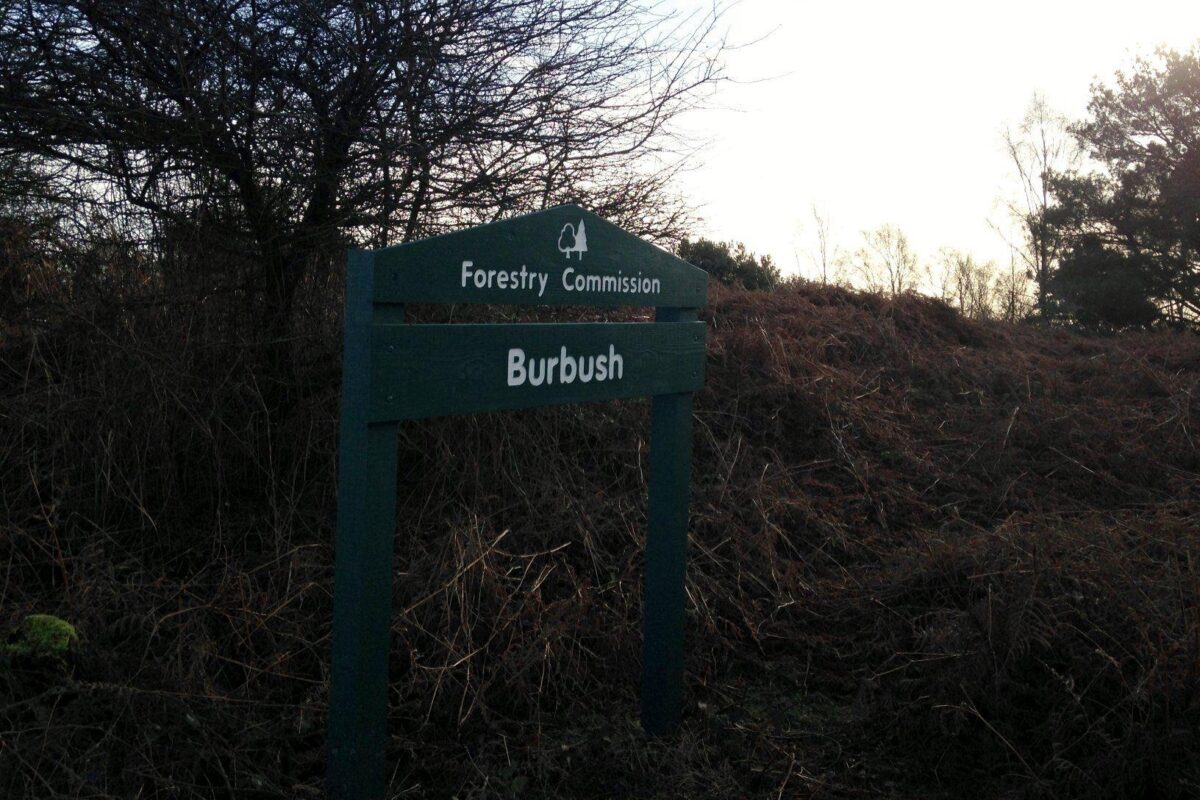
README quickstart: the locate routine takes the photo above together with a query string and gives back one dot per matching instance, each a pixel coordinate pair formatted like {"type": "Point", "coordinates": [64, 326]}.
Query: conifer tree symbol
{"type": "Point", "coordinates": [573, 240]}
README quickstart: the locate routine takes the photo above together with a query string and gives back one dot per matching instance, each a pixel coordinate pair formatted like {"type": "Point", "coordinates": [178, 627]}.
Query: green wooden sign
{"type": "Point", "coordinates": [564, 256]}
{"type": "Point", "coordinates": [392, 371]}
{"type": "Point", "coordinates": [438, 370]}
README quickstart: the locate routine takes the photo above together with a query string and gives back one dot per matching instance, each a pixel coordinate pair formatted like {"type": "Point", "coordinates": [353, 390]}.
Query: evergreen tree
{"type": "Point", "coordinates": [731, 263]}
{"type": "Point", "coordinates": [1130, 230]}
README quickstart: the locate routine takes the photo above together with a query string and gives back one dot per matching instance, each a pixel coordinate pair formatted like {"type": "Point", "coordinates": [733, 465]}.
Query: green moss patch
{"type": "Point", "coordinates": [43, 636]}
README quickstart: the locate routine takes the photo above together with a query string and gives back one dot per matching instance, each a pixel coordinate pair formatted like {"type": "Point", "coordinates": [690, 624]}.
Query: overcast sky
{"type": "Point", "coordinates": [893, 112]}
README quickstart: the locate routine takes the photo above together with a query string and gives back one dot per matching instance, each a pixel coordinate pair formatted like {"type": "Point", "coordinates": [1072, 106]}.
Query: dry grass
{"type": "Point", "coordinates": [907, 528]}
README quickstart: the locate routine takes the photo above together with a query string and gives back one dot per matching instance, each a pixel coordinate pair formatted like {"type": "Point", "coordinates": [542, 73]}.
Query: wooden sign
{"type": "Point", "coordinates": [392, 371]}
{"type": "Point", "coordinates": [440, 370]}
{"type": "Point", "coordinates": [564, 256]}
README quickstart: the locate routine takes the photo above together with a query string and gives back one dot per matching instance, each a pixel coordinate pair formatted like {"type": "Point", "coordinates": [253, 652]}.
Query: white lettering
{"type": "Point", "coordinates": [572, 281]}
{"type": "Point", "coordinates": [519, 280]}
{"type": "Point", "coordinates": [565, 375]}
{"type": "Point", "coordinates": [616, 364]}
{"type": "Point", "coordinates": [516, 367]}
{"type": "Point", "coordinates": [537, 378]}
{"type": "Point", "coordinates": [523, 370]}
{"type": "Point", "coordinates": [620, 283]}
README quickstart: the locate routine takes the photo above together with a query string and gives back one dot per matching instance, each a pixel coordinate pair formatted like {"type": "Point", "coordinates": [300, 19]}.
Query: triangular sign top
{"type": "Point", "coordinates": [561, 256]}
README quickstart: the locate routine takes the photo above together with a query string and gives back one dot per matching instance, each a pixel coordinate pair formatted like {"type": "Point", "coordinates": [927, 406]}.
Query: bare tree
{"type": "Point", "coordinates": [824, 254]}
{"type": "Point", "coordinates": [1040, 147]}
{"type": "Point", "coordinates": [1014, 298]}
{"type": "Point", "coordinates": [886, 263]}
{"type": "Point", "coordinates": [288, 129]}
{"type": "Point", "coordinates": [968, 285]}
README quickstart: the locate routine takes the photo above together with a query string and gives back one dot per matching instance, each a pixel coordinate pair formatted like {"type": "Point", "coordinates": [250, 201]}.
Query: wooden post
{"type": "Point", "coordinates": [666, 553]}
{"type": "Point", "coordinates": [362, 584]}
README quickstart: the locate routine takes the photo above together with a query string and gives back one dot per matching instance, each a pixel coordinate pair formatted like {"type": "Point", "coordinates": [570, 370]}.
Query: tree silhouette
{"type": "Point", "coordinates": [886, 262]}
{"type": "Point", "coordinates": [1040, 148]}
{"type": "Point", "coordinates": [566, 239]}
{"type": "Point", "coordinates": [274, 134]}
{"type": "Point", "coordinates": [581, 239]}
{"type": "Point", "coordinates": [730, 263]}
{"type": "Point", "coordinates": [1130, 229]}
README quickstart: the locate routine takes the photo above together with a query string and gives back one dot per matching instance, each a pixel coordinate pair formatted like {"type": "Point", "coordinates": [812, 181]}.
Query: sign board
{"type": "Point", "coordinates": [439, 370]}
{"type": "Point", "coordinates": [564, 256]}
{"type": "Point", "coordinates": [392, 371]}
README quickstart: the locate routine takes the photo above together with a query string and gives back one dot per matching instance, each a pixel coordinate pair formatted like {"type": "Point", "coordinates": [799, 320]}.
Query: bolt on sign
{"type": "Point", "coordinates": [392, 371]}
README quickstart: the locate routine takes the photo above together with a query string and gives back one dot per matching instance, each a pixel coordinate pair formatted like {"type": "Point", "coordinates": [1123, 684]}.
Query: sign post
{"type": "Point", "coordinates": [666, 553]}
{"type": "Point", "coordinates": [393, 372]}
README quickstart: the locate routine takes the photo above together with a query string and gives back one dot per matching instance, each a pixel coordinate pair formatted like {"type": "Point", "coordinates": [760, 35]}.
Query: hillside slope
{"type": "Point", "coordinates": [906, 528]}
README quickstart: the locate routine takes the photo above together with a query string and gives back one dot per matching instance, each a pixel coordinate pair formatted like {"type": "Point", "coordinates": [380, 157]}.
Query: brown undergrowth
{"type": "Point", "coordinates": [929, 556]}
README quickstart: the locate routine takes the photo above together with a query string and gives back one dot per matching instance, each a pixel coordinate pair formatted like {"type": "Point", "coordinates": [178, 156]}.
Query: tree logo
{"type": "Point", "coordinates": [573, 240]}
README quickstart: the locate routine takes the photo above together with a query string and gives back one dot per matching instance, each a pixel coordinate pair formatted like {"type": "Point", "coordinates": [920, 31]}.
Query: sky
{"type": "Point", "coordinates": [894, 112]}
